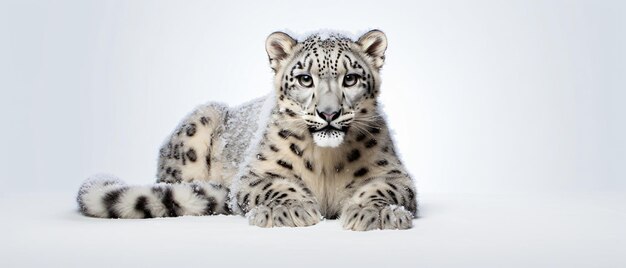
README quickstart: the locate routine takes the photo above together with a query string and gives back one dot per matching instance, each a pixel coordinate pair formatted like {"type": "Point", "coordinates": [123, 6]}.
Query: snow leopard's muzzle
{"type": "Point", "coordinates": [329, 128]}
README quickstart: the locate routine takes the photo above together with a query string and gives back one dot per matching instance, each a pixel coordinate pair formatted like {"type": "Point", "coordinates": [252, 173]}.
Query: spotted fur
{"type": "Point", "coordinates": [322, 151]}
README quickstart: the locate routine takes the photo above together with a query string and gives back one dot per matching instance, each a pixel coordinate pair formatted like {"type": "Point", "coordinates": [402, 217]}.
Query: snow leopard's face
{"type": "Point", "coordinates": [330, 83]}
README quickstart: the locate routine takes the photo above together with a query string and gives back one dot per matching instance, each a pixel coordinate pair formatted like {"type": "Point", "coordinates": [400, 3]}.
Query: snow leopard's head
{"type": "Point", "coordinates": [330, 82]}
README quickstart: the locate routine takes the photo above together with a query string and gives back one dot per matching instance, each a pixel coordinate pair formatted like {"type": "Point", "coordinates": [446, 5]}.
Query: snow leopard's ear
{"type": "Point", "coordinates": [279, 46]}
{"type": "Point", "coordinates": [374, 44]}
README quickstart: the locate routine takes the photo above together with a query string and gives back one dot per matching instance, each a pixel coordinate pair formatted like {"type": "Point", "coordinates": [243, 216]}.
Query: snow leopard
{"type": "Point", "coordinates": [318, 147]}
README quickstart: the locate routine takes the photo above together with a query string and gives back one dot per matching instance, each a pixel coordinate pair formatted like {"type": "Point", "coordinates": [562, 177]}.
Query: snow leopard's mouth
{"type": "Point", "coordinates": [328, 138]}
{"type": "Point", "coordinates": [328, 128]}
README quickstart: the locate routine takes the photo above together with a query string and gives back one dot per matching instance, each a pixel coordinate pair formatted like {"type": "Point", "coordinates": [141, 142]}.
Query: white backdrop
{"type": "Point", "coordinates": [484, 96]}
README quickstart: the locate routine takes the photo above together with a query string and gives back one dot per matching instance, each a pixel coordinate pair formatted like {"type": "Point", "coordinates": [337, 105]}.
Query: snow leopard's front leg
{"type": "Point", "coordinates": [386, 202]}
{"type": "Point", "coordinates": [269, 200]}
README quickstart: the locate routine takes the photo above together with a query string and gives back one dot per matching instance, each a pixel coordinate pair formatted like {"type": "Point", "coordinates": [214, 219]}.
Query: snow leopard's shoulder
{"type": "Point", "coordinates": [244, 126]}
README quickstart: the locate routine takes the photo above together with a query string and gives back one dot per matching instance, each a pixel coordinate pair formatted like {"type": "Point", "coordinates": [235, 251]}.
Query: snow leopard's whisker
{"type": "Point", "coordinates": [363, 130]}
{"type": "Point", "coordinates": [366, 124]}
{"type": "Point", "coordinates": [293, 121]}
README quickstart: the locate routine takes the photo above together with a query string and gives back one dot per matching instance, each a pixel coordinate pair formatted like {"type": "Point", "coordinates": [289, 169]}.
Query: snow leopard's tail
{"type": "Point", "coordinates": [105, 196]}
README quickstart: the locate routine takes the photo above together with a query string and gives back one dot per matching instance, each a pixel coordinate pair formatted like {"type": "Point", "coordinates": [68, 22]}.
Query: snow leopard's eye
{"type": "Point", "coordinates": [305, 80]}
{"type": "Point", "coordinates": [350, 80]}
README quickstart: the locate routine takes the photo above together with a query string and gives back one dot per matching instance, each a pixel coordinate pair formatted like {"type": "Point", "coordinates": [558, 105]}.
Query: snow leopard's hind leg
{"type": "Point", "coordinates": [189, 154]}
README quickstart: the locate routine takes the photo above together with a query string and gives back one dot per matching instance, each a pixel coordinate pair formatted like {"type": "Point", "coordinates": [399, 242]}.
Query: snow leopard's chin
{"type": "Point", "coordinates": [328, 138]}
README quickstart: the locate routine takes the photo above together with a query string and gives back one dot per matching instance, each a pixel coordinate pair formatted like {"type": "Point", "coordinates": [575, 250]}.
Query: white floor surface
{"type": "Point", "coordinates": [454, 230]}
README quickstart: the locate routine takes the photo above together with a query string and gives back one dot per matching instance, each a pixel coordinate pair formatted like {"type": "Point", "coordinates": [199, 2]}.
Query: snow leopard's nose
{"type": "Point", "coordinates": [329, 116]}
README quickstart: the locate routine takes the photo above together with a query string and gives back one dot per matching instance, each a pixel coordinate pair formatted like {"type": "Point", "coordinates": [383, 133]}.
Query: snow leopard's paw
{"type": "Point", "coordinates": [359, 218]}
{"type": "Point", "coordinates": [291, 214]}
{"type": "Point", "coordinates": [395, 217]}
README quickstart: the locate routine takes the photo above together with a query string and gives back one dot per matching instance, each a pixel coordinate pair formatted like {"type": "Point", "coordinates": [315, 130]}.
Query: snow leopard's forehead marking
{"type": "Point", "coordinates": [327, 53]}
